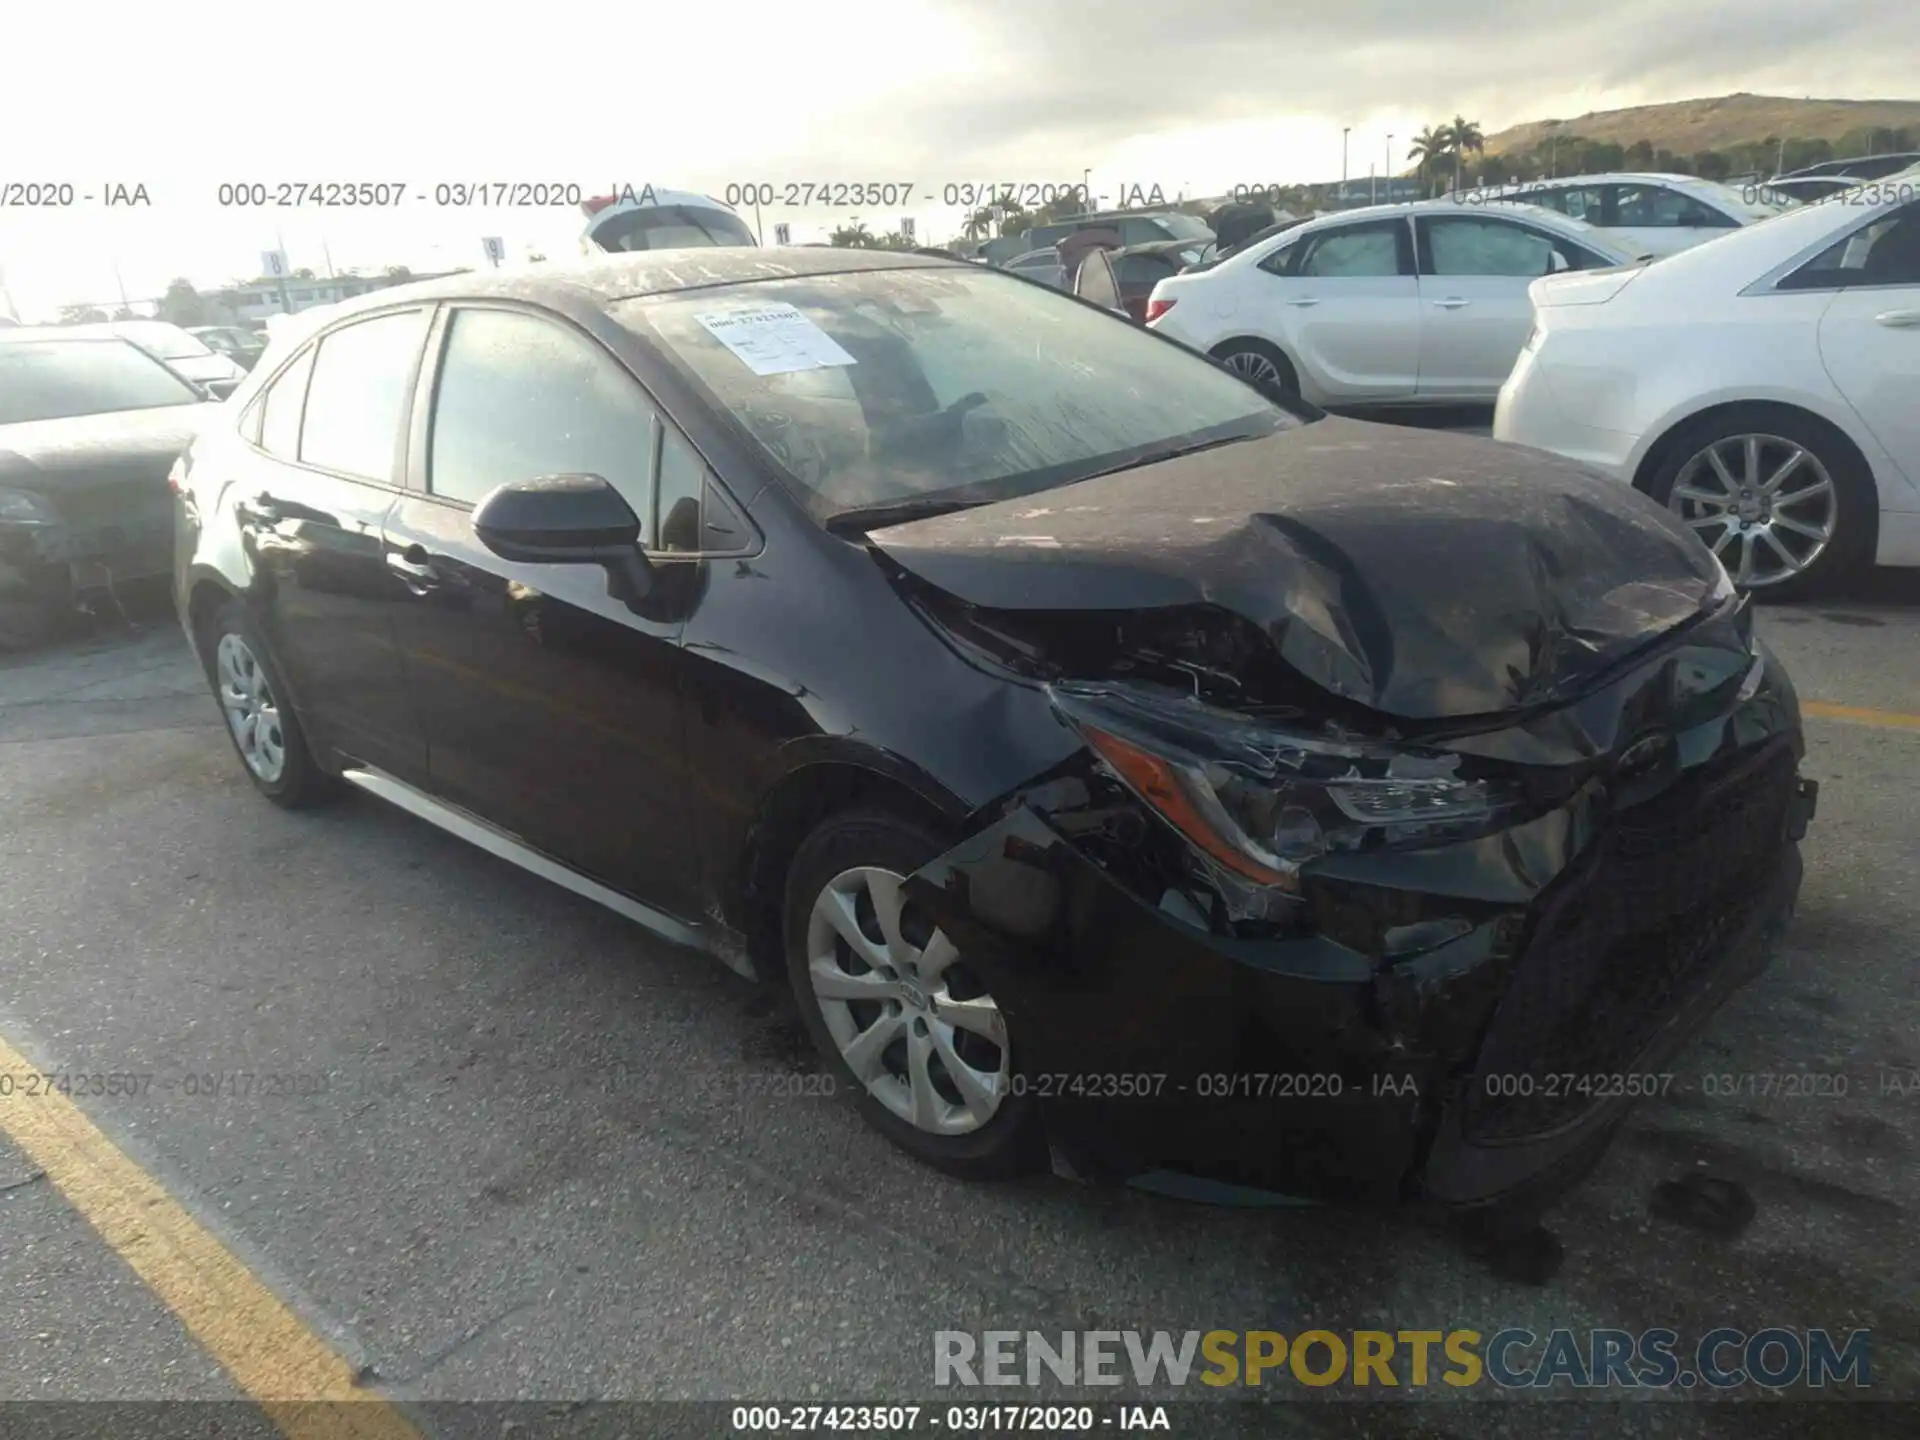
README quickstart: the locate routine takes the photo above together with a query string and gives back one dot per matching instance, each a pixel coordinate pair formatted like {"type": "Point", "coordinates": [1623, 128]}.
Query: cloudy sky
{"type": "Point", "coordinates": [1195, 97]}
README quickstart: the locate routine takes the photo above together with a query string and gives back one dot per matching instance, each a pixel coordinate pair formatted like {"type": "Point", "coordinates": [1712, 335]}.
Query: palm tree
{"type": "Point", "coordinates": [855, 236]}
{"type": "Point", "coordinates": [979, 224]}
{"type": "Point", "coordinates": [1428, 146]}
{"type": "Point", "coordinates": [1013, 217]}
{"type": "Point", "coordinates": [1463, 136]}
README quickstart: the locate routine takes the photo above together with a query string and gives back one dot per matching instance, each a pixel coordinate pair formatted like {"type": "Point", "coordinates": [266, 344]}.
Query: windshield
{"type": "Point", "coordinates": [671, 227]}
{"type": "Point", "coordinates": [1184, 227]}
{"type": "Point", "coordinates": [884, 386]}
{"type": "Point", "coordinates": [165, 342]}
{"type": "Point", "coordinates": [56, 379]}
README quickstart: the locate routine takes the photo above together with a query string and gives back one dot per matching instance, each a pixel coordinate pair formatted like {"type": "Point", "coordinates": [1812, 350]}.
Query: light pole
{"type": "Point", "coordinates": [1345, 131]}
{"type": "Point", "coordinates": [1086, 192]}
{"type": "Point", "coordinates": [1387, 171]}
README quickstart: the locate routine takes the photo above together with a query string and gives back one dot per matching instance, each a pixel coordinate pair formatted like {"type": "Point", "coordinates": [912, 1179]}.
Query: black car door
{"type": "Point", "coordinates": [326, 444]}
{"type": "Point", "coordinates": [551, 708]}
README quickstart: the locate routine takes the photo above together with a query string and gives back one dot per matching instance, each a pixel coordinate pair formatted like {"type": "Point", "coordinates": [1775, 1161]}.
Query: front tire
{"type": "Point", "coordinates": [265, 732]}
{"type": "Point", "coordinates": [904, 1024]}
{"type": "Point", "coordinates": [1786, 505]}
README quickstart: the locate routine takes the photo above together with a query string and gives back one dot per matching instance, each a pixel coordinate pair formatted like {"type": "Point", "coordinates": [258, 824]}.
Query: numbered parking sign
{"type": "Point", "coordinates": [273, 264]}
{"type": "Point", "coordinates": [906, 227]}
{"type": "Point", "coordinates": [496, 249]}
{"type": "Point", "coordinates": [783, 234]}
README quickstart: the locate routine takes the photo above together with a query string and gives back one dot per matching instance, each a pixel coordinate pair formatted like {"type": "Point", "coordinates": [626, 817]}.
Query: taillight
{"type": "Point", "coordinates": [177, 476]}
{"type": "Point", "coordinates": [597, 204]}
{"type": "Point", "coordinates": [1157, 308]}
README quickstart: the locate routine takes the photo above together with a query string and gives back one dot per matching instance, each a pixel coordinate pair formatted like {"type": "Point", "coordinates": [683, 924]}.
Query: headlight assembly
{"type": "Point", "coordinates": [1262, 800]}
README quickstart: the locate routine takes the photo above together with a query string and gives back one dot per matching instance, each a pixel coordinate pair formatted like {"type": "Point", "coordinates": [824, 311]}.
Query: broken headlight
{"type": "Point", "coordinates": [1263, 800]}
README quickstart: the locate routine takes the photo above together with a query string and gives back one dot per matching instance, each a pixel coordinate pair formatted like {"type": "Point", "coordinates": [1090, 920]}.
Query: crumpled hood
{"type": "Point", "coordinates": [1426, 575]}
{"type": "Point", "coordinates": [37, 453]}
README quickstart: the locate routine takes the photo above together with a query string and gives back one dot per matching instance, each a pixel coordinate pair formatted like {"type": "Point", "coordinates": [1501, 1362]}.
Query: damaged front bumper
{"type": "Point", "coordinates": [1464, 1025]}
{"type": "Point", "coordinates": [55, 563]}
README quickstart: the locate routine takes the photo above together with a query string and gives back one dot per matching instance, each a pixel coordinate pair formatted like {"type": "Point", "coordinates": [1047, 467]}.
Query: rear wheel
{"type": "Point", "coordinates": [1261, 364]}
{"type": "Point", "coordinates": [1786, 506]}
{"type": "Point", "coordinates": [904, 1022]}
{"type": "Point", "coordinates": [266, 734]}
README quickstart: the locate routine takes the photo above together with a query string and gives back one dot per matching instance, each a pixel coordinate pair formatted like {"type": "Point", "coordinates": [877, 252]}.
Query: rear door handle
{"type": "Point", "coordinates": [1899, 319]}
{"type": "Point", "coordinates": [1304, 301]}
{"type": "Point", "coordinates": [413, 566]}
{"type": "Point", "coordinates": [1452, 302]}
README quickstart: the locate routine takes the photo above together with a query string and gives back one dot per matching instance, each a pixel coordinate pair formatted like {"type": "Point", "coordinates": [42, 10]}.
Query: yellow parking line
{"type": "Point", "coordinates": [1859, 715]}
{"type": "Point", "coordinates": [305, 1388]}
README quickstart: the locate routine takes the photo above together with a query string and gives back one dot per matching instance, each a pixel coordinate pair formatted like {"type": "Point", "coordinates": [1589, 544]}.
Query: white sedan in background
{"type": "Point", "coordinates": [1650, 214]}
{"type": "Point", "coordinates": [1765, 387]}
{"type": "Point", "coordinates": [1393, 304]}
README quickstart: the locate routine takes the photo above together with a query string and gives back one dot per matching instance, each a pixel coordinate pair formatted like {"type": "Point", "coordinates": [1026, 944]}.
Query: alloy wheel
{"type": "Point", "coordinates": [916, 1028]}
{"type": "Point", "coordinates": [252, 712]}
{"type": "Point", "coordinates": [1258, 368]}
{"type": "Point", "coordinates": [1764, 504]}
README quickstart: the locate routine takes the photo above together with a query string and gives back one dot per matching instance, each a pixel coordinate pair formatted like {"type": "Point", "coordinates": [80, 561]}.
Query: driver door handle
{"type": "Point", "coordinates": [1304, 301]}
{"type": "Point", "coordinates": [1899, 319]}
{"type": "Point", "coordinates": [413, 566]}
{"type": "Point", "coordinates": [1452, 302]}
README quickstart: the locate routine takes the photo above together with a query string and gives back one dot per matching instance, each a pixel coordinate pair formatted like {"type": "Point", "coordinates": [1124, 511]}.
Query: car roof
{"type": "Point", "coordinates": [1446, 205]}
{"type": "Point", "coordinates": [602, 279]}
{"type": "Point", "coordinates": [1588, 235]}
{"type": "Point", "coordinates": [87, 334]}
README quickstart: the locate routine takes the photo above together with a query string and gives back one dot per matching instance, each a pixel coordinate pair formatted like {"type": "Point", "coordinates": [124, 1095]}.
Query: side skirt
{"type": "Point", "coordinates": [509, 847]}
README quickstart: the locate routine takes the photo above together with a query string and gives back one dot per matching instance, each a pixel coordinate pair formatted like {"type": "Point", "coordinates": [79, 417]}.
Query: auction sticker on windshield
{"type": "Point", "coordinates": [775, 339]}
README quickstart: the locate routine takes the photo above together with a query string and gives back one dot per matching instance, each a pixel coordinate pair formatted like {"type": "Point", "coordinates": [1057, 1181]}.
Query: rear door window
{"type": "Point", "coordinates": [1886, 252]}
{"type": "Point", "coordinates": [357, 397]}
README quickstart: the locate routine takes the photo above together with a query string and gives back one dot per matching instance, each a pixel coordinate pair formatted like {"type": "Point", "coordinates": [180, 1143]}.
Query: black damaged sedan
{"type": "Point", "coordinates": [1123, 768]}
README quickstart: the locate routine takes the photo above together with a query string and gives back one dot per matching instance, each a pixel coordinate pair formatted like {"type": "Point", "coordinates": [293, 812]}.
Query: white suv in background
{"type": "Point", "coordinates": [1393, 304]}
{"type": "Point", "coordinates": [644, 217]}
{"type": "Point", "coordinates": [1647, 214]}
{"type": "Point", "coordinates": [1765, 387]}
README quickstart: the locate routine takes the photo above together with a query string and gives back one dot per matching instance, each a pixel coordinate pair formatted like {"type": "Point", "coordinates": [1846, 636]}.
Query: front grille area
{"type": "Point", "coordinates": [1628, 939]}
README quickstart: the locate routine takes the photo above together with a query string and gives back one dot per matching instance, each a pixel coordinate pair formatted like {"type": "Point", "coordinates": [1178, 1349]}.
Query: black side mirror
{"type": "Point", "coordinates": [567, 520]}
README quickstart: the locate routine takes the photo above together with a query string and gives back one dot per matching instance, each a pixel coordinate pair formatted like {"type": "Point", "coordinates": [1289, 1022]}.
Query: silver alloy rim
{"type": "Point", "coordinates": [1765, 505]}
{"type": "Point", "coordinates": [1256, 367]}
{"type": "Point", "coordinates": [252, 713]}
{"type": "Point", "coordinates": [917, 1031]}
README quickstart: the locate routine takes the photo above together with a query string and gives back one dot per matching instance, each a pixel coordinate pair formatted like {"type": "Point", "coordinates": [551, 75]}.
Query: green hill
{"type": "Point", "coordinates": [1725, 122]}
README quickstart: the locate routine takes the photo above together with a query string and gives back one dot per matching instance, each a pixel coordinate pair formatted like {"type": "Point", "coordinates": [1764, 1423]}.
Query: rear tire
{"type": "Point", "coordinates": [903, 1025]}
{"type": "Point", "coordinates": [1262, 365]}
{"type": "Point", "coordinates": [266, 734]}
{"type": "Point", "coordinates": [1787, 498]}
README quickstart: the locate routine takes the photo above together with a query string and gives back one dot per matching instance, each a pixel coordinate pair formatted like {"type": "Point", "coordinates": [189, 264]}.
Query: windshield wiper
{"type": "Point", "coordinates": [863, 518]}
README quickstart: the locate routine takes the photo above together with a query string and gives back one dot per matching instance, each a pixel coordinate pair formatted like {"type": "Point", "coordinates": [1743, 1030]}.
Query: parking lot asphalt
{"type": "Point", "coordinates": [487, 1141]}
